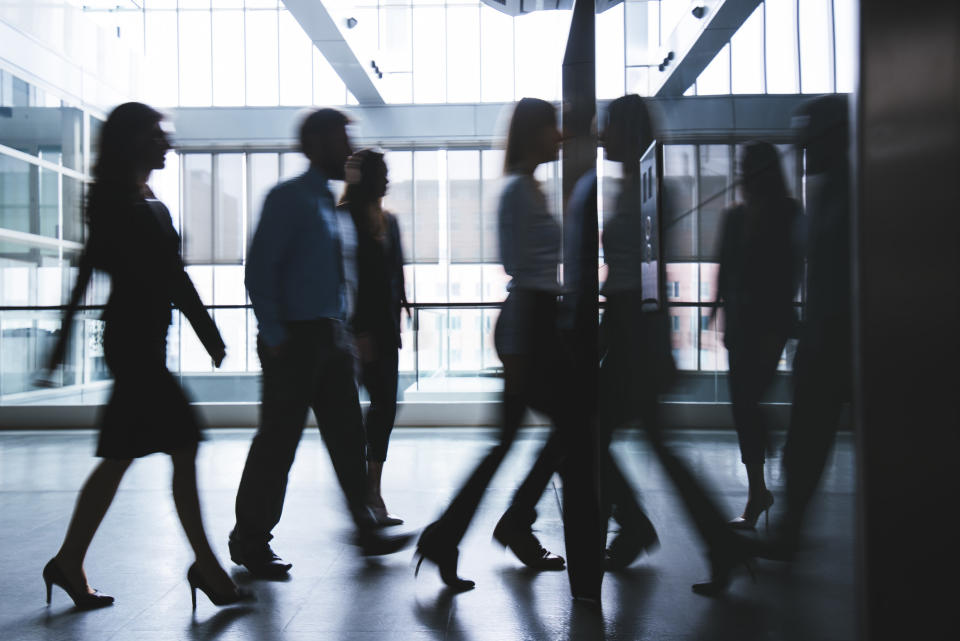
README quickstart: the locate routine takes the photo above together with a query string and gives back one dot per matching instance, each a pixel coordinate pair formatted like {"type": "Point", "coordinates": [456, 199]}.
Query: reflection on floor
{"type": "Point", "coordinates": [140, 555]}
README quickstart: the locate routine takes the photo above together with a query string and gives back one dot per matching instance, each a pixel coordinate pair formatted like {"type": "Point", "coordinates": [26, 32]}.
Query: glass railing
{"type": "Point", "coordinates": [448, 355]}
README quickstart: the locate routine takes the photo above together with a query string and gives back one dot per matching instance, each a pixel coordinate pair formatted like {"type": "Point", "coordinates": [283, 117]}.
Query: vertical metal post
{"type": "Point", "coordinates": [583, 530]}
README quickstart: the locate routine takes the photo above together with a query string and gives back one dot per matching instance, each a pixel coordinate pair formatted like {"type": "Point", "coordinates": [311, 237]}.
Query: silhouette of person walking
{"type": "Point", "coordinates": [756, 284]}
{"type": "Point", "coordinates": [638, 352]}
{"type": "Point", "coordinates": [376, 319]}
{"type": "Point", "coordinates": [630, 377]}
{"type": "Point", "coordinates": [131, 238]}
{"type": "Point", "coordinates": [822, 371]}
{"type": "Point", "coordinates": [295, 277]}
{"type": "Point", "coordinates": [527, 342]}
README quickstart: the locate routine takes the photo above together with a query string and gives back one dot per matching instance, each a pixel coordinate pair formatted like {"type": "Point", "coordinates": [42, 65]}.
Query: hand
{"type": "Point", "coordinates": [218, 356]}
{"type": "Point", "coordinates": [367, 347]}
{"type": "Point", "coordinates": [407, 307]}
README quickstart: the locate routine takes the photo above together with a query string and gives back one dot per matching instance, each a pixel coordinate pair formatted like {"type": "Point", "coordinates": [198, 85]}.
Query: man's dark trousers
{"type": "Point", "coordinates": [313, 369]}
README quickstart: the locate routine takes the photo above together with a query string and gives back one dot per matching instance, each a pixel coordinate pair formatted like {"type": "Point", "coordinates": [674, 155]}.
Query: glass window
{"type": "Point", "coordinates": [228, 287]}
{"type": "Point", "coordinates": [636, 18]}
{"type": "Point", "coordinates": [262, 57]}
{"type": "Point", "coordinates": [328, 87]}
{"type": "Point", "coordinates": [197, 208]}
{"type": "Point", "coordinates": [160, 45]}
{"type": "Point", "coordinates": [463, 54]}
{"type": "Point", "coordinates": [228, 237]}
{"type": "Point", "coordinates": [428, 60]}
{"type": "Point", "coordinates": [715, 79]}
{"type": "Point", "coordinates": [496, 62]}
{"type": "Point", "coordinates": [263, 172]}
{"type": "Point", "coordinates": [844, 24]}
{"type": "Point", "coordinates": [716, 194]}
{"type": "Point", "coordinates": [816, 46]}
{"type": "Point", "coordinates": [610, 53]}
{"type": "Point", "coordinates": [492, 175]}
{"type": "Point", "coordinates": [746, 55]}
{"type": "Point", "coordinates": [228, 59]}
{"type": "Point", "coordinates": [232, 324]}
{"type": "Point", "coordinates": [196, 81]}
{"type": "Point", "coordinates": [72, 203]}
{"type": "Point", "coordinates": [426, 195]}
{"type": "Point", "coordinates": [679, 201]}
{"type": "Point", "coordinates": [539, 42]}
{"type": "Point", "coordinates": [48, 203]}
{"type": "Point", "coordinates": [685, 337]}
{"type": "Point", "coordinates": [165, 184]}
{"type": "Point", "coordinates": [399, 198]}
{"type": "Point", "coordinates": [463, 207]}
{"type": "Point", "coordinates": [295, 62]}
{"type": "Point", "coordinates": [14, 194]}
{"type": "Point", "coordinates": [294, 163]}
{"type": "Point", "coordinates": [782, 65]}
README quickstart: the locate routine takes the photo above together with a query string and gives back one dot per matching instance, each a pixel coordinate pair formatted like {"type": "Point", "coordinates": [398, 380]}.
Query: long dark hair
{"type": "Point", "coordinates": [529, 117]}
{"type": "Point", "coordinates": [364, 168]}
{"type": "Point", "coordinates": [115, 172]}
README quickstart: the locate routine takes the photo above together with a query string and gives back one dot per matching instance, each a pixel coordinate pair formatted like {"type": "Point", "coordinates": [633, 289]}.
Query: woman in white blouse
{"type": "Point", "coordinates": [527, 344]}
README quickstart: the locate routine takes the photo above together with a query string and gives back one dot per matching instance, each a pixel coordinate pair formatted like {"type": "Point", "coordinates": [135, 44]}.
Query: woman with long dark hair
{"type": "Point", "coordinates": [756, 284]}
{"type": "Point", "coordinates": [376, 319]}
{"type": "Point", "coordinates": [132, 239]}
{"type": "Point", "coordinates": [526, 339]}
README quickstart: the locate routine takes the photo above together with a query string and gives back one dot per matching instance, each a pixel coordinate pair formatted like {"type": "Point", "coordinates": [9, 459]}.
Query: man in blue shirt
{"type": "Point", "coordinates": [295, 277]}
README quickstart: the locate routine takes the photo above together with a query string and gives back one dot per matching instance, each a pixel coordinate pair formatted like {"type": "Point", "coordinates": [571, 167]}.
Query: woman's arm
{"type": "Point", "coordinates": [79, 289]}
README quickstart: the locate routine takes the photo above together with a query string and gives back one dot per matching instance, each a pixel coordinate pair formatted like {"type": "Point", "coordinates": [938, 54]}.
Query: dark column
{"type": "Point", "coordinates": [581, 506]}
{"type": "Point", "coordinates": [907, 287]}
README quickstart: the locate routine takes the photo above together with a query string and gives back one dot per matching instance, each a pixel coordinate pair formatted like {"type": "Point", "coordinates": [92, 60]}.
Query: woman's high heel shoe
{"type": "Point", "coordinates": [196, 580]}
{"type": "Point", "coordinates": [444, 556]}
{"type": "Point", "coordinates": [53, 575]}
{"type": "Point", "coordinates": [723, 563]}
{"type": "Point", "coordinates": [751, 514]}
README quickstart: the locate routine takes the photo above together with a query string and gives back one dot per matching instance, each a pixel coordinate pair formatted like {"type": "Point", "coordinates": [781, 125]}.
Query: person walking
{"type": "Point", "coordinates": [132, 239]}
{"type": "Point", "coordinates": [376, 319]}
{"type": "Point", "coordinates": [295, 278]}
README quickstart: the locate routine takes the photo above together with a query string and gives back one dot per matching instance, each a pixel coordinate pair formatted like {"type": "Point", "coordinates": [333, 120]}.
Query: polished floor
{"type": "Point", "coordinates": [140, 555]}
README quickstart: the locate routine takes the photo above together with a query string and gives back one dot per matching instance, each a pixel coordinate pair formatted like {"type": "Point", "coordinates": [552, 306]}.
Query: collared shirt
{"type": "Point", "coordinates": [294, 266]}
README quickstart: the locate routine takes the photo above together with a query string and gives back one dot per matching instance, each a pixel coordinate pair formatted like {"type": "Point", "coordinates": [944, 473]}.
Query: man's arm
{"type": "Point", "coordinates": [264, 261]}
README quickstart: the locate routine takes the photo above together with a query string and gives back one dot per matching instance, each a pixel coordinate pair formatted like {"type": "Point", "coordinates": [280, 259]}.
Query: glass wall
{"type": "Point", "coordinates": [44, 162]}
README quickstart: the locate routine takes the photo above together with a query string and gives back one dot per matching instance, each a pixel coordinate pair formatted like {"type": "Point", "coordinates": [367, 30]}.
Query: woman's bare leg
{"type": "Point", "coordinates": [95, 498]}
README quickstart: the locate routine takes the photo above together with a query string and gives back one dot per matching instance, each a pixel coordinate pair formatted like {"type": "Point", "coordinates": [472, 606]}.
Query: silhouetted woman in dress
{"type": "Point", "coordinates": [132, 239]}
{"type": "Point", "coordinates": [527, 343]}
{"type": "Point", "coordinates": [756, 285]}
{"type": "Point", "coordinates": [376, 320]}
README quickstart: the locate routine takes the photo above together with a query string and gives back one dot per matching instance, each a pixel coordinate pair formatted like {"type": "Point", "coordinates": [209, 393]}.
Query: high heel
{"type": "Point", "coordinates": [752, 513]}
{"type": "Point", "coordinates": [444, 556]}
{"type": "Point", "coordinates": [196, 581]}
{"type": "Point", "coordinates": [53, 575]}
{"type": "Point", "coordinates": [723, 563]}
